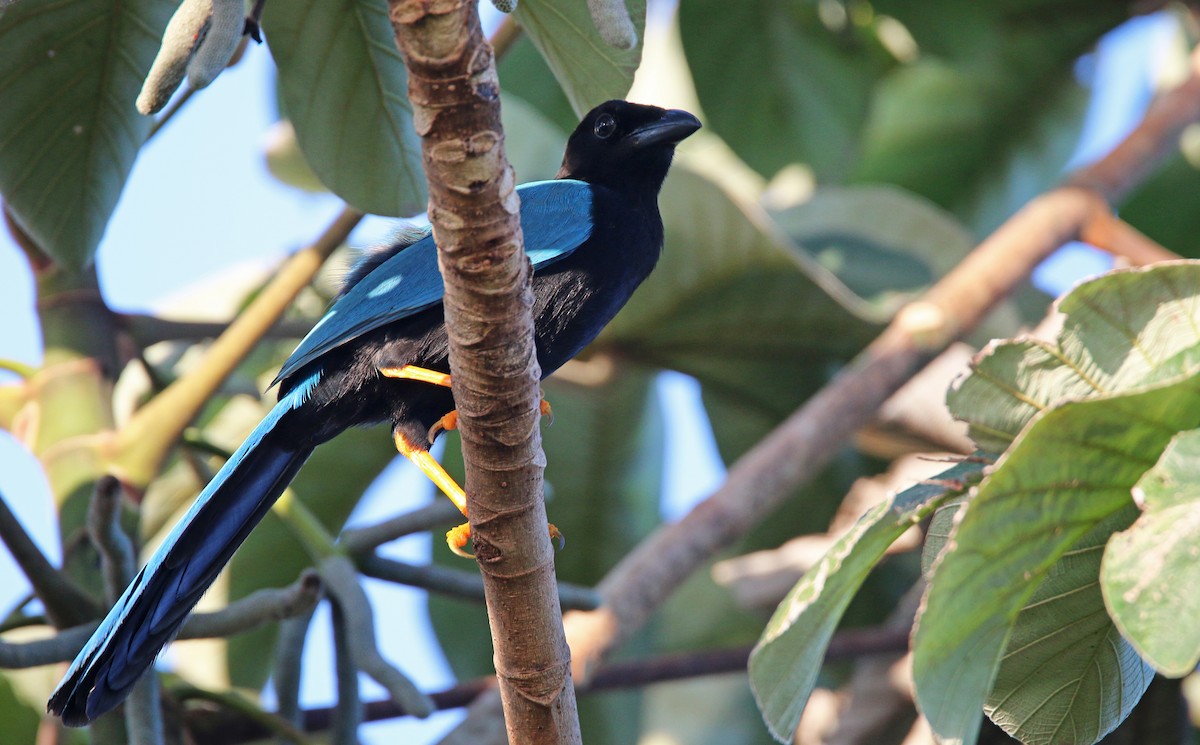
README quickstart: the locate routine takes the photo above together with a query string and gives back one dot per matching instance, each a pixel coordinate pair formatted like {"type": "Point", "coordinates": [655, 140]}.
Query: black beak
{"type": "Point", "coordinates": [673, 127]}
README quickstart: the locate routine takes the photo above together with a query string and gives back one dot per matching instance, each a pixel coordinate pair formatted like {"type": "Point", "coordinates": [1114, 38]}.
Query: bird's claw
{"type": "Point", "coordinates": [459, 536]}
{"type": "Point", "coordinates": [457, 539]}
{"type": "Point", "coordinates": [547, 411]}
{"type": "Point", "coordinates": [445, 424]}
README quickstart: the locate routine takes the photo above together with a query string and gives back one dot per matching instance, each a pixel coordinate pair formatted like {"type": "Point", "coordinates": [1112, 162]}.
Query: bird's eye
{"type": "Point", "coordinates": [606, 125]}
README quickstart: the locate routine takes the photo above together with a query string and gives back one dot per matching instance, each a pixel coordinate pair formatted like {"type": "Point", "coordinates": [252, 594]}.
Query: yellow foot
{"type": "Point", "coordinates": [457, 538]}
{"type": "Point", "coordinates": [544, 407]}
{"type": "Point", "coordinates": [445, 424]}
{"type": "Point", "coordinates": [412, 372]}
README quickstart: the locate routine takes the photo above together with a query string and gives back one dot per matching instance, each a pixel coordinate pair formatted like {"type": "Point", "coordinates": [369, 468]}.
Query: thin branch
{"type": "Point", "coordinates": [254, 610]}
{"type": "Point", "coordinates": [846, 645]}
{"type": "Point", "coordinates": [341, 583]}
{"type": "Point", "coordinates": [66, 604]}
{"type": "Point", "coordinates": [459, 583]}
{"type": "Point", "coordinates": [117, 556]}
{"type": "Point", "coordinates": [232, 703]}
{"type": "Point", "coordinates": [170, 112]}
{"type": "Point", "coordinates": [1110, 233]}
{"type": "Point", "coordinates": [800, 446]}
{"type": "Point", "coordinates": [366, 539]}
{"type": "Point", "coordinates": [473, 207]}
{"type": "Point", "coordinates": [268, 605]}
{"type": "Point", "coordinates": [145, 440]}
{"type": "Point", "coordinates": [347, 714]}
{"type": "Point", "coordinates": [289, 655]}
{"type": "Point", "coordinates": [143, 716]}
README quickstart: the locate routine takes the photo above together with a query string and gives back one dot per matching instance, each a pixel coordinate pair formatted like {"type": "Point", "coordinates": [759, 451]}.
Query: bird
{"type": "Point", "coordinates": [592, 234]}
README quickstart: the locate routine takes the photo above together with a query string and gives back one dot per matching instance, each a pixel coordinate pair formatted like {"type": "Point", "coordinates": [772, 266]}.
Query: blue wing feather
{"type": "Point", "coordinates": [556, 218]}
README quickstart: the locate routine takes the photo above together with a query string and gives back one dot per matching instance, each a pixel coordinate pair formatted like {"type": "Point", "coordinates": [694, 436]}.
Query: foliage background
{"type": "Point", "coordinates": [767, 287]}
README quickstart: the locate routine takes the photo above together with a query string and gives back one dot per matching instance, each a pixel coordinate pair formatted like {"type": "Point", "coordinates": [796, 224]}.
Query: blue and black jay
{"type": "Point", "coordinates": [380, 354]}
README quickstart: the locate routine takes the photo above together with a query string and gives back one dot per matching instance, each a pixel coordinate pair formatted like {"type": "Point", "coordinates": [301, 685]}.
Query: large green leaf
{"type": "Point", "coordinates": [1120, 332]}
{"type": "Point", "coordinates": [786, 660]}
{"type": "Point", "coordinates": [901, 247]}
{"type": "Point", "coordinates": [989, 113]}
{"type": "Point", "coordinates": [1026, 516]}
{"type": "Point", "coordinates": [782, 82]}
{"type": "Point", "coordinates": [1129, 345]}
{"type": "Point", "coordinates": [69, 133]}
{"type": "Point", "coordinates": [731, 288]}
{"type": "Point", "coordinates": [589, 70]}
{"type": "Point", "coordinates": [344, 88]}
{"type": "Point", "coordinates": [21, 716]}
{"type": "Point", "coordinates": [1150, 570]}
{"type": "Point", "coordinates": [1067, 675]}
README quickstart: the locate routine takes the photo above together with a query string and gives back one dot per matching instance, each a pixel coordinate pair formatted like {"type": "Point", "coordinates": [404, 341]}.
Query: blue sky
{"type": "Point", "coordinates": [200, 200]}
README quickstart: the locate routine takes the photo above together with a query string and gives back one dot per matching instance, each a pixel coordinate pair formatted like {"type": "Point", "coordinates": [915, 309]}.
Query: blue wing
{"type": "Point", "coordinates": [556, 218]}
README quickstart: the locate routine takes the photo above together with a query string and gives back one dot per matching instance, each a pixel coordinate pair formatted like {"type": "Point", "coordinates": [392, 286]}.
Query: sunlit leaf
{"type": "Point", "coordinates": [1151, 569]}
{"type": "Point", "coordinates": [798, 93]}
{"type": "Point", "coordinates": [69, 133]}
{"type": "Point", "coordinates": [1129, 350]}
{"type": "Point", "coordinates": [344, 88]}
{"type": "Point", "coordinates": [589, 71]}
{"type": "Point", "coordinates": [788, 657]}
{"type": "Point", "coordinates": [1067, 675]}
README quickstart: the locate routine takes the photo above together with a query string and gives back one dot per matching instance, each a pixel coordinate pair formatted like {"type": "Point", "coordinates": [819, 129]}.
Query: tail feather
{"type": "Point", "coordinates": [154, 606]}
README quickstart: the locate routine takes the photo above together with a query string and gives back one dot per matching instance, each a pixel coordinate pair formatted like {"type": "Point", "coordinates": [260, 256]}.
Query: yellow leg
{"type": "Point", "coordinates": [412, 372]}
{"type": "Point", "coordinates": [457, 537]}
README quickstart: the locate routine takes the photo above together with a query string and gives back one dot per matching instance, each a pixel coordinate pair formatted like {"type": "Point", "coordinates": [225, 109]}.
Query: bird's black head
{"type": "Point", "coordinates": [626, 145]}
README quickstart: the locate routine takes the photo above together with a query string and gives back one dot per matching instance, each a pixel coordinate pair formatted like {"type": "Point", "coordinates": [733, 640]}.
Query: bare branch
{"type": "Point", "coordinates": [347, 714]}
{"type": "Point", "coordinates": [147, 330]}
{"type": "Point", "coordinates": [341, 582]}
{"type": "Point", "coordinates": [367, 539]}
{"type": "Point", "coordinates": [66, 604]}
{"type": "Point", "coordinates": [252, 611]}
{"type": "Point", "coordinates": [845, 645]}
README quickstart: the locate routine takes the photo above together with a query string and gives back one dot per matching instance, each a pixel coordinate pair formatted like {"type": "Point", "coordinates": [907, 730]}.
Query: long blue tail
{"type": "Point", "coordinates": [154, 606]}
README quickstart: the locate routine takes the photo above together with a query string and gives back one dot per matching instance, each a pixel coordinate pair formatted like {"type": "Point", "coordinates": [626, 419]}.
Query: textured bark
{"type": "Point", "coordinates": [474, 209]}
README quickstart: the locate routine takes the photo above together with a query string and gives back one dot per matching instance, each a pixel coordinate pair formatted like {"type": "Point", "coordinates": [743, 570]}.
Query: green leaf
{"type": "Point", "coordinates": [988, 115]}
{"type": "Point", "coordinates": [1065, 658]}
{"type": "Point", "coordinates": [69, 132]}
{"type": "Point", "coordinates": [1027, 514]}
{"type": "Point", "coordinates": [589, 71]}
{"type": "Point", "coordinates": [1150, 570]}
{"type": "Point", "coordinates": [887, 261]}
{"type": "Point", "coordinates": [533, 145]}
{"type": "Point", "coordinates": [731, 287]}
{"type": "Point", "coordinates": [770, 73]}
{"type": "Point", "coordinates": [785, 662]}
{"type": "Point", "coordinates": [1122, 331]}
{"type": "Point", "coordinates": [1128, 347]}
{"type": "Point", "coordinates": [1067, 675]}
{"type": "Point", "coordinates": [344, 87]}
